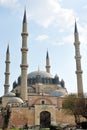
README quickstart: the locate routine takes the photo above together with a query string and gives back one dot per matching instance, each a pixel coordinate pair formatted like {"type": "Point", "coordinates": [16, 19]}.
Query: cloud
{"type": "Point", "coordinates": [42, 37]}
{"type": "Point", "coordinates": [82, 29]}
{"type": "Point", "coordinates": [8, 3]}
{"type": "Point", "coordinates": [69, 38]}
{"type": "Point", "coordinates": [85, 7]}
{"type": "Point", "coordinates": [44, 12]}
{"type": "Point", "coordinates": [57, 43]}
{"type": "Point", "coordinates": [50, 12]}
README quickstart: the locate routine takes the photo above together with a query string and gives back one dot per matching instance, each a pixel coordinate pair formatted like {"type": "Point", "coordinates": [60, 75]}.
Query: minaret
{"type": "Point", "coordinates": [47, 63]}
{"type": "Point", "coordinates": [78, 62]}
{"type": "Point", "coordinates": [7, 73]}
{"type": "Point", "coordinates": [24, 65]}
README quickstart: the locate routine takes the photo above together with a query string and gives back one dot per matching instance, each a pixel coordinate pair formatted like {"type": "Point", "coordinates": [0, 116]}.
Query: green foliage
{"type": "Point", "coordinates": [84, 125]}
{"type": "Point", "coordinates": [44, 129]}
{"type": "Point", "coordinates": [70, 104]}
{"type": "Point", "coordinates": [53, 127]}
{"type": "Point", "coordinates": [76, 106]}
{"type": "Point", "coordinates": [6, 113]}
{"type": "Point", "coordinates": [15, 129]}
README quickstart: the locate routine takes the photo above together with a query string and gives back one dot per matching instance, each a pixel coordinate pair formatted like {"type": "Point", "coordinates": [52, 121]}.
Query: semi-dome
{"type": "Point", "coordinates": [42, 74]}
{"type": "Point", "coordinates": [58, 93]}
{"type": "Point", "coordinates": [15, 100]}
{"type": "Point", "coordinates": [9, 94]}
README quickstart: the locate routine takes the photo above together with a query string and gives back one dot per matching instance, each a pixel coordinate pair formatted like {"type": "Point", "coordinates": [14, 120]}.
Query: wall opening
{"type": "Point", "coordinates": [45, 119]}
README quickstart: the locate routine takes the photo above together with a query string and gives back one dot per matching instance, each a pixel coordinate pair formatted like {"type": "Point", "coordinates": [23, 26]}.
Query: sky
{"type": "Point", "coordinates": [50, 27]}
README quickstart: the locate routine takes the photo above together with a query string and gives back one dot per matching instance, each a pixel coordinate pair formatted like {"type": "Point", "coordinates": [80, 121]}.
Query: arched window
{"type": "Point", "coordinates": [43, 102]}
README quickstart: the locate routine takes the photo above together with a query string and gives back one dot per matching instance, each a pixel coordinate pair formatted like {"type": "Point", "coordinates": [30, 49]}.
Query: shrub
{"type": "Point", "coordinates": [52, 127]}
{"type": "Point", "coordinates": [84, 125]}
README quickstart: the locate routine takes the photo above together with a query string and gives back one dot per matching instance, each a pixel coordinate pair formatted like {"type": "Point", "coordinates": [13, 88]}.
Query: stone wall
{"type": "Point", "coordinates": [21, 116]}
{"type": "Point", "coordinates": [61, 117]}
{"type": "Point", "coordinates": [31, 115]}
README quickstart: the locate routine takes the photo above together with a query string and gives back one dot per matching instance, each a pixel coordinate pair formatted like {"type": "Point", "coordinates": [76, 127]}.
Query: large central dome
{"type": "Point", "coordinates": [40, 73]}
{"type": "Point", "coordinates": [40, 76]}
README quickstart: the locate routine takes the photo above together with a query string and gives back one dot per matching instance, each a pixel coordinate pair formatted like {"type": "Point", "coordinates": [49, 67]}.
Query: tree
{"type": "Point", "coordinates": [83, 107]}
{"type": "Point", "coordinates": [73, 105]}
{"type": "Point", "coordinates": [6, 113]}
{"type": "Point", "coordinates": [76, 106]}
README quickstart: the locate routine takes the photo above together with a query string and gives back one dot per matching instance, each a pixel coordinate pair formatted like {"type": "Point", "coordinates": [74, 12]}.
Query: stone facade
{"type": "Point", "coordinates": [29, 113]}
{"type": "Point", "coordinates": [38, 95]}
{"type": "Point", "coordinates": [21, 116]}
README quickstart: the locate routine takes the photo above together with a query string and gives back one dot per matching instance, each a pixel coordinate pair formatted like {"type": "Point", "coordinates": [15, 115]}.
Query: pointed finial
{"type": "Point", "coordinates": [8, 49]}
{"type": "Point", "coordinates": [76, 31]}
{"type": "Point", "coordinates": [24, 19]}
{"type": "Point", "coordinates": [38, 68]}
{"type": "Point", "coordinates": [47, 54]}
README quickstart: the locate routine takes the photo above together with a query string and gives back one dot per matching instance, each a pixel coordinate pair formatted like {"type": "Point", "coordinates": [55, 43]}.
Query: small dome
{"type": "Point", "coordinates": [43, 74]}
{"type": "Point", "coordinates": [56, 76]}
{"type": "Point", "coordinates": [15, 100]}
{"type": "Point", "coordinates": [58, 93]}
{"type": "Point", "coordinates": [9, 94]}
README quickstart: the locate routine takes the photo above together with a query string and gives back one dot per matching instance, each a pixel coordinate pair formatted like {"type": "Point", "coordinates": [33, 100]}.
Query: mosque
{"type": "Point", "coordinates": [36, 98]}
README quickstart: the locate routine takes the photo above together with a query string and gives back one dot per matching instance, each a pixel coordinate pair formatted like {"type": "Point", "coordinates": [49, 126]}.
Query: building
{"type": "Point", "coordinates": [36, 98]}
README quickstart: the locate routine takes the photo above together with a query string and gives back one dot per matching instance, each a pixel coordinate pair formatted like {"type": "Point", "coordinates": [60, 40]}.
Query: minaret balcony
{"type": "Point", "coordinates": [6, 85]}
{"type": "Point", "coordinates": [24, 33]}
{"type": "Point", "coordinates": [7, 61]}
{"type": "Point", "coordinates": [24, 49]}
{"type": "Point", "coordinates": [7, 73]}
{"type": "Point", "coordinates": [77, 57]}
{"type": "Point", "coordinates": [79, 71]}
{"type": "Point", "coordinates": [23, 66]}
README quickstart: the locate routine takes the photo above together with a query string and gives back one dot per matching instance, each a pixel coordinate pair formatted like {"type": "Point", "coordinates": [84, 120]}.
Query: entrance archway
{"type": "Point", "coordinates": [45, 119]}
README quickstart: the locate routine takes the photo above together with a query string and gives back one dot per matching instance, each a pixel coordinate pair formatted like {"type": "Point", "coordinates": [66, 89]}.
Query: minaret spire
{"type": "Point", "coordinates": [47, 63]}
{"type": "Point", "coordinates": [24, 65]}
{"type": "Point", "coordinates": [76, 31]}
{"type": "Point", "coordinates": [78, 62]}
{"type": "Point", "coordinates": [24, 18]}
{"type": "Point", "coordinates": [8, 49]}
{"type": "Point", "coordinates": [7, 73]}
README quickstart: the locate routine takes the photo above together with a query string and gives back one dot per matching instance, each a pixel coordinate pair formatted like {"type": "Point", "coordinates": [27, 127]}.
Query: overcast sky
{"type": "Point", "coordinates": [50, 25]}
